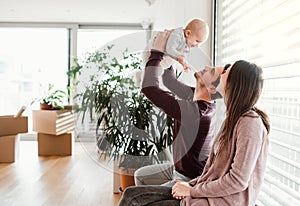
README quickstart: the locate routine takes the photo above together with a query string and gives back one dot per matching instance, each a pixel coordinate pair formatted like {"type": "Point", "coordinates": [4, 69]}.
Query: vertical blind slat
{"type": "Point", "coordinates": [267, 32]}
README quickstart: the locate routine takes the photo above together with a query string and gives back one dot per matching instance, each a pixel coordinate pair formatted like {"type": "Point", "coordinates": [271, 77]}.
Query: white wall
{"type": "Point", "coordinates": [163, 14]}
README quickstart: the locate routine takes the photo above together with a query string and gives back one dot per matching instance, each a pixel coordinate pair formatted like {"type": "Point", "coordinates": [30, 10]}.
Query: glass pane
{"type": "Point", "coordinates": [90, 40]}
{"type": "Point", "coordinates": [98, 39]}
{"type": "Point", "coordinates": [30, 59]}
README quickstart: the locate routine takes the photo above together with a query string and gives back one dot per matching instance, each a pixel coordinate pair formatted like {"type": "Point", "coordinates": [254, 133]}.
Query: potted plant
{"type": "Point", "coordinates": [145, 136]}
{"type": "Point", "coordinates": [135, 132]}
{"type": "Point", "coordinates": [52, 100]}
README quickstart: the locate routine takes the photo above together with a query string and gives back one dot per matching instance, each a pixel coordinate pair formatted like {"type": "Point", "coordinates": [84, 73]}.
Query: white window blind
{"type": "Point", "coordinates": [267, 32]}
{"type": "Point", "coordinates": [264, 31]}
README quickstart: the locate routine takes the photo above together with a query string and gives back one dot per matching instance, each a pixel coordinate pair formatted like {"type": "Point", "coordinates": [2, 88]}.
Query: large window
{"type": "Point", "coordinates": [35, 56]}
{"type": "Point", "coordinates": [90, 40]}
{"type": "Point", "coordinates": [267, 32]}
{"type": "Point", "coordinates": [30, 59]}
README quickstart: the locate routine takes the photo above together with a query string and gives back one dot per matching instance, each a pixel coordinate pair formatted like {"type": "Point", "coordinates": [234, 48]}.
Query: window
{"type": "Point", "coordinates": [90, 40]}
{"type": "Point", "coordinates": [267, 32]}
{"type": "Point", "coordinates": [30, 59]}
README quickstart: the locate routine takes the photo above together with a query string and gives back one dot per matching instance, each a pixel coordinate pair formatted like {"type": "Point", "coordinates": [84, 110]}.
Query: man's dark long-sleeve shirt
{"type": "Point", "coordinates": [193, 128]}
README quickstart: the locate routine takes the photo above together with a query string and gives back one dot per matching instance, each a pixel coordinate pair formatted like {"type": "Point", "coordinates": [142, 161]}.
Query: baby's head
{"type": "Point", "coordinates": [196, 32]}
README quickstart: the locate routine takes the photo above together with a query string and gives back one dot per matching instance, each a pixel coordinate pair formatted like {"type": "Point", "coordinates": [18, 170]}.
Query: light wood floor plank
{"type": "Point", "coordinates": [80, 179]}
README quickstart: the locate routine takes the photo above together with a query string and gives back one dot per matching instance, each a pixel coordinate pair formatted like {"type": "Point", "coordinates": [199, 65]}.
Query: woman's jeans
{"type": "Point", "coordinates": [150, 195]}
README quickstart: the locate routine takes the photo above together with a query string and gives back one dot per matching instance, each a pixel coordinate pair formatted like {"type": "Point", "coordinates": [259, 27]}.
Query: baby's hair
{"type": "Point", "coordinates": [196, 24]}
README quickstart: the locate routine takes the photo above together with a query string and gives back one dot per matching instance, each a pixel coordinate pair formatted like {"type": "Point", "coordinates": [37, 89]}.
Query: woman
{"type": "Point", "coordinates": [234, 172]}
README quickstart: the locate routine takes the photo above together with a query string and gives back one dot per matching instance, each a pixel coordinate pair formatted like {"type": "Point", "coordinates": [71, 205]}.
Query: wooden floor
{"type": "Point", "coordinates": [81, 179]}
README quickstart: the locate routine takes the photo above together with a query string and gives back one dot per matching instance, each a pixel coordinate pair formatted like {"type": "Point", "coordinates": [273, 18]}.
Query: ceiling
{"type": "Point", "coordinates": [78, 11]}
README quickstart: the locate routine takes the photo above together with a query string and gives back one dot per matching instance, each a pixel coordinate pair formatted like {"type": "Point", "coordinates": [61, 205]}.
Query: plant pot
{"type": "Point", "coordinates": [68, 107]}
{"type": "Point", "coordinates": [47, 107]}
{"type": "Point", "coordinates": [126, 178]}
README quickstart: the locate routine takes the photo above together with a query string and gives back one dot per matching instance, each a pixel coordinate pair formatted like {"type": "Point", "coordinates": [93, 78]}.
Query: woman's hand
{"type": "Point", "coordinates": [160, 41]}
{"type": "Point", "coordinates": [181, 189]}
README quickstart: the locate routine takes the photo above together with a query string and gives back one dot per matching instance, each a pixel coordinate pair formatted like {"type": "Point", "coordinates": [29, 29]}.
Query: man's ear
{"type": "Point", "coordinates": [212, 89]}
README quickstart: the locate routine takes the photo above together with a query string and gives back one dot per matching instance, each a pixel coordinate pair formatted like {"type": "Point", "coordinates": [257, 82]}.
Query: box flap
{"type": "Point", "coordinates": [9, 125]}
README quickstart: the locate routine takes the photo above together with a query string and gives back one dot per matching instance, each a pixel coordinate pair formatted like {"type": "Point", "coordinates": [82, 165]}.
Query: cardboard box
{"type": "Point", "coordinates": [55, 144]}
{"type": "Point", "coordinates": [9, 148]}
{"type": "Point", "coordinates": [10, 125]}
{"type": "Point", "coordinates": [55, 122]}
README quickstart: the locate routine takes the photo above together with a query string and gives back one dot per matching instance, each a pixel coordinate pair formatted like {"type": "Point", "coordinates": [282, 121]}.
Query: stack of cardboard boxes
{"type": "Point", "coordinates": [10, 127]}
{"type": "Point", "coordinates": [55, 131]}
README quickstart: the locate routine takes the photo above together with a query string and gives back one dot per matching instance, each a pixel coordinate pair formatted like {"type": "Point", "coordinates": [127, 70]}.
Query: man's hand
{"type": "Point", "coordinates": [181, 189]}
{"type": "Point", "coordinates": [160, 41]}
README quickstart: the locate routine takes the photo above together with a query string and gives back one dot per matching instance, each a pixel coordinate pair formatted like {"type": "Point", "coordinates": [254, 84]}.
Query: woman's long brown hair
{"type": "Point", "coordinates": [243, 89]}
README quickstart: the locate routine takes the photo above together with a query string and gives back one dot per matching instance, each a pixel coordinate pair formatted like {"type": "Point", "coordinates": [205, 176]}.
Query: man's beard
{"type": "Point", "coordinates": [217, 95]}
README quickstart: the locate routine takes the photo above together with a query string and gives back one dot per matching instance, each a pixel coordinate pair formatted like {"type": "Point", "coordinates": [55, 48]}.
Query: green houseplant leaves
{"type": "Point", "coordinates": [53, 98]}
{"type": "Point", "coordinates": [136, 132]}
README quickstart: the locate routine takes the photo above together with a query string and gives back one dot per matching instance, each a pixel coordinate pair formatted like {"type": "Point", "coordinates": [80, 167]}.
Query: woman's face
{"type": "Point", "coordinates": [223, 82]}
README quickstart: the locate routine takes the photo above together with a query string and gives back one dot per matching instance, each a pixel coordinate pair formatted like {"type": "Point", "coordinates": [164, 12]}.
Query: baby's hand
{"type": "Point", "coordinates": [180, 59]}
{"type": "Point", "coordinates": [186, 68]}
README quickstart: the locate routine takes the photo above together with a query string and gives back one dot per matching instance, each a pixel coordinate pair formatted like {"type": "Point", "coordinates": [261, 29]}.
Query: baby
{"type": "Point", "coordinates": [181, 40]}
